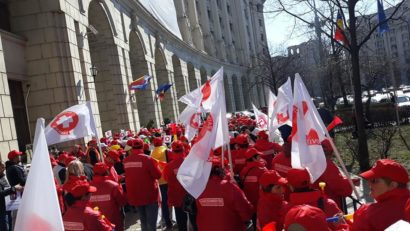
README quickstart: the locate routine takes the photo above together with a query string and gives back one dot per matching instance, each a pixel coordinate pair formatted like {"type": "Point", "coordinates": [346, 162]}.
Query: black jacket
{"type": "Point", "coordinates": [3, 194]}
{"type": "Point", "coordinates": [15, 173]}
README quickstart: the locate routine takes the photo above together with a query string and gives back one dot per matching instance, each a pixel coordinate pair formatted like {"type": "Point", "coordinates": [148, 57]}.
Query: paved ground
{"type": "Point", "coordinates": [132, 222]}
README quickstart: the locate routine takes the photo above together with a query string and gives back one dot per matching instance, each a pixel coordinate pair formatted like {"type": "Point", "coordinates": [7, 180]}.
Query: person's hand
{"type": "Point", "coordinates": [19, 188]}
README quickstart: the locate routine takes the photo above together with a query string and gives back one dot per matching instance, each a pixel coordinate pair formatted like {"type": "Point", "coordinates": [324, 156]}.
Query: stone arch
{"type": "Point", "coordinates": [145, 105]}
{"type": "Point", "coordinates": [193, 83]}
{"type": "Point", "coordinates": [204, 76]}
{"type": "Point", "coordinates": [162, 76]}
{"type": "Point", "coordinates": [179, 79]}
{"type": "Point", "coordinates": [102, 53]}
{"type": "Point", "coordinates": [237, 94]}
{"type": "Point", "coordinates": [104, 7]}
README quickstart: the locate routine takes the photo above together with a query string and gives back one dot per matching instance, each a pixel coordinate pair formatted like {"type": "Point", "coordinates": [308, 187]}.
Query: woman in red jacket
{"type": "Point", "coordinates": [269, 149]}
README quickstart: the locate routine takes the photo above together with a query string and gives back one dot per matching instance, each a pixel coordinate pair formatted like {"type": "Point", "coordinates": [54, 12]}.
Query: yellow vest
{"type": "Point", "coordinates": [159, 154]}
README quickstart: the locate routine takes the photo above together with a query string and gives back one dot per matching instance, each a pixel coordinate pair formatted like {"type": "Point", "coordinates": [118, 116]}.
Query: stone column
{"type": "Point", "coordinates": [183, 21]}
{"type": "Point", "coordinates": [205, 24]}
{"type": "Point", "coordinates": [218, 32]}
{"type": "Point", "coordinates": [196, 32]}
{"type": "Point", "coordinates": [225, 20]}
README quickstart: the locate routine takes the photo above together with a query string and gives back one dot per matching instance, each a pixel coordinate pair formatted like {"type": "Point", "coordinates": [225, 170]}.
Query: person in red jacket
{"type": "Point", "coordinates": [337, 185]}
{"type": "Point", "coordinates": [109, 197]}
{"type": "Point", "coordinates": [176, 192]}
{"type": "Point", "coordinates": [271, 203]}
{"type": "Point", "coordinates": [282, 161]}
{"type": "Point", "coordinates": [250, 175]}
{"type": "Point", "coordinates": [388, 186]}
{"type": "Point", "coordinates": [141, 179]}
{"type": "Point", "coordinates": [79, 215]}
{"type": "Point", "coordinates": [407, 210]}
{"type": "Point", "coordinates": [306, 217]}
{"type": "Point", "coordinates": [238, 155]}
{"type": "Point", "coordinates": [269, 149]}
{"type": "Point", "coordinates": [299, 183]}
{"type": "Point", "coordinates": [113, 157]}
{"type": "Point", "coordinates": [222, 206]}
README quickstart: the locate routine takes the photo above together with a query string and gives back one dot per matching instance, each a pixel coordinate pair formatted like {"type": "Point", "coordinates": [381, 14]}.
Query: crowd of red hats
{"type": "Point", "coordinates": [252, 180]}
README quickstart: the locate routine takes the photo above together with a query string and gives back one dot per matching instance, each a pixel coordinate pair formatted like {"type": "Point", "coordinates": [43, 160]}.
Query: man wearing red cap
{"type": "Point", "coordinates": [282, 161]}
{"type": "Point", "coordinates": [269, 149]}
{"type": "Point", "coordinates": [141, 179]}
{"type": "Point", "coordinates": [271, 202]}
{"type": "Point", "coordinates": [238, 155]}
{"type": "Point", "coordinates": [388, 186]}
{"type": "Point", "coordinates": [306, 217]}
{"type": "Point", "coordinates": [176, 192]}
{"type": "Point", "coordinates": [250, 175]}
{"type": "Point", "coordinates": [79, 215]}
{"type": "Point", "coordinates": [337, 185]}
{"type": "Point", "coordinates": [109, 197]}
{"type": "Point", "coordinates": [14, 171]}
{"type": "Point", "coordinates": [222, 206]}
{"type": "Point", "coordinates": [113, 157]}
{"type": "Point", "coordinates": [160, 154]}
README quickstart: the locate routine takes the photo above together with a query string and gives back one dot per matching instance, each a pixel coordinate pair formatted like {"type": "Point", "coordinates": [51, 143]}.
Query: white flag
{"type": "Point", "coordinates": [308, 131]}
{"type": "Point", "coordinates": [282, 108]}
{"type": "Point", "coordinates": [261, 119]}
{"type": "Point", "coordinates": [274, 133]}
{"type": "Point", "coordinates": [73, 123]}
{"type": "Point", "coordinates": [194, 172]}
{"type": "Point", "coordinates": [190, 118]}
{"type": "Point", "coordinates": [39, 208]}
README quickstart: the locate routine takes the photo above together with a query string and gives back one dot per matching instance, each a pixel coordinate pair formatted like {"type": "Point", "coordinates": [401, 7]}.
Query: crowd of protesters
{"type": "Point", "coordinates": [138, 171]}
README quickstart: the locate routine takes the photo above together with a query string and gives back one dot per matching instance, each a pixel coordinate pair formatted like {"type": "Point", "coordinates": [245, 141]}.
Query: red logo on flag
{"type": "Point", "coordinates": [65, 122]}
{"type": "Point", "coordinates": [208, 125]}
{"type": "Point", "coordinates": [305, 107]}
{"type": "Point", "coordinates": [312, 138]}
{"type": "Point", "coordinates": [282, 118]}
{"type": "Point", "coordinates": [262, 121]}
{"type": "Point", "coordinates": [193, 122]}
{"type": "Point", "coordinates": [206, 91]}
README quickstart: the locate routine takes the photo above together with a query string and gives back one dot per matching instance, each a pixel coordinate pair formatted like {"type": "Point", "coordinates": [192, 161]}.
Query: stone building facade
{"type": "Point", "coordinates": [48, 47]}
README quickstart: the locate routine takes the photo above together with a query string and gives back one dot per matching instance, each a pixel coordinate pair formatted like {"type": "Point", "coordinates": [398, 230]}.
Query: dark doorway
{"type": "Point", "coordinates": [20, 114]}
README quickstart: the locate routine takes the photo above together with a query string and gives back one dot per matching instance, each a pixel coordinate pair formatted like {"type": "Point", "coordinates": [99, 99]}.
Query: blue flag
{"type": "Point", "coordinates": [383, 27]}
{"type": "Point", "coordinates": [162, 89]}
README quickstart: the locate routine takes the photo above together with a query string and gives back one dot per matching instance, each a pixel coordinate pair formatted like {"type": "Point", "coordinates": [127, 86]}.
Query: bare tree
{"type": "Point", "coordinates": [355, 37]}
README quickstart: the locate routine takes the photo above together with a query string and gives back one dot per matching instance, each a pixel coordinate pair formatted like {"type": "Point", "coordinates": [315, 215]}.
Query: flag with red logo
{"type": "Point", "coordinates": [190, 118]}
{"type": "Point", "coordinates": [194, 172]}
{"type": "Point", "coordinates": [39, 208]}
{"type": "Point", "coordinates": [73, 123]}
{"type": "Point", "coordinates": [282, 108]}
{"type": "Point", "coordinates": [261, 118]}
{"type": "Point", "coordinates": [308, 131]}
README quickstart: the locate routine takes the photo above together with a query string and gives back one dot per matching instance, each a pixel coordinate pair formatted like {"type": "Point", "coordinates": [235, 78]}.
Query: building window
{"type": "Point", "coordinates": [231, 27]}
{"type": "Point", "coordinates": [259, 8]}
{"type": "Point", "coordinates": [260, 22]}
{"type": "Point", "coordinates": [228, 8]}
{"type": "Point", "coordinates": [209, 15]}
{"type": "Point", "coordinates": [262, 38]}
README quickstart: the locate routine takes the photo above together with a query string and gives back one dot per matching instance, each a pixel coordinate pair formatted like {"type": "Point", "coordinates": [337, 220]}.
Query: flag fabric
{"type": "Point", "coordinates": [383, 25]}
{"type": "Point", "coordinates": [73, 123]}
{"type": "Point", "coordinates": [161, 90]}
{"type": "Point", "coordinates": [194, 172]}
{"type": "Point", "coordinates": [336, 121]}
{"type": "Point", "coordinates": [190, 118]}
{"type": "Point", "coordinates": [273, 132]}
{"type": "Point", "coordinates": [339, 32]}
{"type": "Point", "coordinates": [141, 83]}
{"type": "Point", "coordinates": [308, 131]}
{"type": "Point", "coordinates": [261, 119]}
{"type": "Point", "coordinates": [39, 208]}
{"type": "Point", "coordinates": [282, 113]}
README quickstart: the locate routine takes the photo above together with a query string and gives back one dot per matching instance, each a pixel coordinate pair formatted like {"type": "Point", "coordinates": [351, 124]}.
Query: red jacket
{"type": "Point", "coordinates": [337, 186]}
{"type": "Point", "coordinates": [80, 216]}
{"type": "Point", "coordinates": [141, 178]}
{"type": "Point", "coordinates": [269, 149]}
{"type": "Point", "coordinates": [238, 159]}
{"type": "Point", "coordinates": [176, 192]}
{"type": "Point", "coordinates": [250, 177]}
{"type": "Point", "coordinates": [388, 209]}
{"type": "Point", "coordinates": [270, 208]}
{"type": "Point", "coordinates": [222, 207]}
{"type": "Point", "coordinates": [281, 164]}
{"type": "Point", "coordinates": [109, 198]}
{"type": "Point", "coordinates": [312, 198]}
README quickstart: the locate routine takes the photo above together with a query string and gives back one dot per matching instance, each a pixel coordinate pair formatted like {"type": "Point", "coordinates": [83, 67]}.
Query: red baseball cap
{"type": "Point", "coordinates": [68, 160]}
{"type": "Point", "coordinates": [62, 157]}
{"type": "Point", "coordinates": [80, 187]}
{"type": "Point", "coordinates": [177, 146]}
{"type": "Point", "coordinates": [146, 147]}
{"type": "Point", "coordinates": [272, 177]}
{"type": "Point", "coordinates": [13, 153]}
{"type": "Point", "coordinates": [100, 168]}
{"type": "Point", "coordinates": [298, 178]}
{"type": "Point", "coordinates": [388, 169]}
{"type": "Point", "coordinates": [251, 152]}
{"type": "Point", "coordinates": [242, 139]}
{"type": "Point", "coordinates": [263, 135]}
{"type": "Point", "coordinates": [115, 155]}
{"type": "Point", "coordinates": [309, 217]}
{"type": "Point", "coordinates": [157, 141]}
{"type": "Point", "coordinates": [137, 143]}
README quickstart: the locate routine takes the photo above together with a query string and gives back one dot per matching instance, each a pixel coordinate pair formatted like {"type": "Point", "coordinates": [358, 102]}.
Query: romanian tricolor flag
{"type": "Point", "coordinates": [141, 83]}
{"type": "Point", "coordinates": [339, 33]}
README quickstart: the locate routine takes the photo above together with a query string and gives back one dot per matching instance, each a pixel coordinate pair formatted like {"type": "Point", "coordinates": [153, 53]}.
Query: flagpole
{"type": "Point", "coordinates": [230, 160]}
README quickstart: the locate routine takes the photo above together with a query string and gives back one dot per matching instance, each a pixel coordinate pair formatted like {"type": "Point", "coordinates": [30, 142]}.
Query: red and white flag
{"type": "Point", "coordinates": [194, 172]}
{"type": "Point", "coordinates": [73, 123]}
{"type": "Point", "coordinates": [39, 208]}
{"type": "Point", "coordinates": [273, 132]}
{"type": "Point", "coordinates": [261, 119]}
{"type": "Point", "coordinates": [282, 107]}
{"type": "Point", "coordinates": [308, 131]}
{"type": "Point", "coordinates": [191, 119]}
